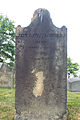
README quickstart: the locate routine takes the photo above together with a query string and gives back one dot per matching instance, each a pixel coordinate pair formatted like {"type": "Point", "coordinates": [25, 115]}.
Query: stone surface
{"type": "Point", "coordinates": [41, 51]}
{"type": "Point", "coordinates": [6, 76]}
{"type": "Point", "coordinates": [73, 84]}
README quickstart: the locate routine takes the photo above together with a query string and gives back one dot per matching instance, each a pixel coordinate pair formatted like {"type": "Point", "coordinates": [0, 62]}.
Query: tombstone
{"type": "Point", "coordinates": [41, 52]}
{"type": "Point", "coordinates": [73, 84]}
{"type": "Point", "coordinates": [6, 76]}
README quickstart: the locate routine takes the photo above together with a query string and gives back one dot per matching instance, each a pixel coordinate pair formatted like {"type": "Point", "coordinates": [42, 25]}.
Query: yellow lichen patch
{"type": "Point", "coordinates": [33, 70]}
{"type": "Point", "coordinates": [35, 16]}
{"type": "Point", "coordinates": [18, 30]}
{"type": "Point", "coordinates": [39, 86]}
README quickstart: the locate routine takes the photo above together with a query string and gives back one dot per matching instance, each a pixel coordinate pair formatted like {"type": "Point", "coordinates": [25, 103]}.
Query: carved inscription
{"type": "Point", "coordinates": [36, 35]}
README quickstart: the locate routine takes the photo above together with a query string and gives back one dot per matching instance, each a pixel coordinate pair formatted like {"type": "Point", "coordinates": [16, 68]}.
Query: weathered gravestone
{"type": "Point", "coordinates": [41, 69]}
{"type": "Point", "coordinates": [73, 84]}
{"type": "Point", "coordinates": [6, 76]}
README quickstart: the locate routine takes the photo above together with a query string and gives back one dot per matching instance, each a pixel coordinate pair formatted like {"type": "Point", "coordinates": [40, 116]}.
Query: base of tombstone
{"type": "Point", "coordinates": [30, 117]}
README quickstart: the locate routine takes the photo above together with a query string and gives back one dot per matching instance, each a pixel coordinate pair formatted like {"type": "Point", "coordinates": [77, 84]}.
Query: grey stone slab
{"type": "Point", "coordinates": [41, 52]}
{"type": "Point", "coordinates": [6, 76]}
{"type": "Point", "coordinates": [73, 84]}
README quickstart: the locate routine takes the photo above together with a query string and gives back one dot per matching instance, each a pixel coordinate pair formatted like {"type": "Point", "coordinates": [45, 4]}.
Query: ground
{"type": "Point", "coordinates": [7, 105]}
{"type": "Point", "coordinates": [73, 105]}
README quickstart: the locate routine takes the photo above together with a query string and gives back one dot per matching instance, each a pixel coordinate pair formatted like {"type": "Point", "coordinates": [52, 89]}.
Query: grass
{"type": "Point", "coordinates": [73, 105]}
{"type": "Point", "coordinates": [7, 105]}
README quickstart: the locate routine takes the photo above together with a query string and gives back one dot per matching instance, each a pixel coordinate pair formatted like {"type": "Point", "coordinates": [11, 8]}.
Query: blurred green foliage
{"type": "Point", "coordinates": [72, 68]}
{"type": "Point", "coordinates": [7, 41]}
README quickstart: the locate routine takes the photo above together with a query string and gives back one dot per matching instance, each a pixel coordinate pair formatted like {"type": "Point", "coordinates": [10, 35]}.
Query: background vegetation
{"type": "Point", "coordinates": [7, 104]}
{"type": "Point", "coordinates": [73, 105]}
{"type": "Point", "coordinates": [72, 68]}
{"type": "Point", "coordinates": [7, 41]}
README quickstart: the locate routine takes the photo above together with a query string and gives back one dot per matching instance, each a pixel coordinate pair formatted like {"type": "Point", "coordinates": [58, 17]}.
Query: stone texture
{"type": "Point", "coordinates": [73, 84]}
{"type": "Point", "coordinates": [41, 51]}
{"type": "Point", "coordinates": [6, 76]}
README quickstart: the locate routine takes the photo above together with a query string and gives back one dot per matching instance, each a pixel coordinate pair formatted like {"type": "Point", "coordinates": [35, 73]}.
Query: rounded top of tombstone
{"type": "Point", "coordinates": [75, 79]}
{"type": "Point", "coordinates": [40, 12]}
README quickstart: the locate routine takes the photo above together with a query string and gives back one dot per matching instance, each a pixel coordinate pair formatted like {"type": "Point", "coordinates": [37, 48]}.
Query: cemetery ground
{"type": "Point", "coordinates": [7, 104]}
